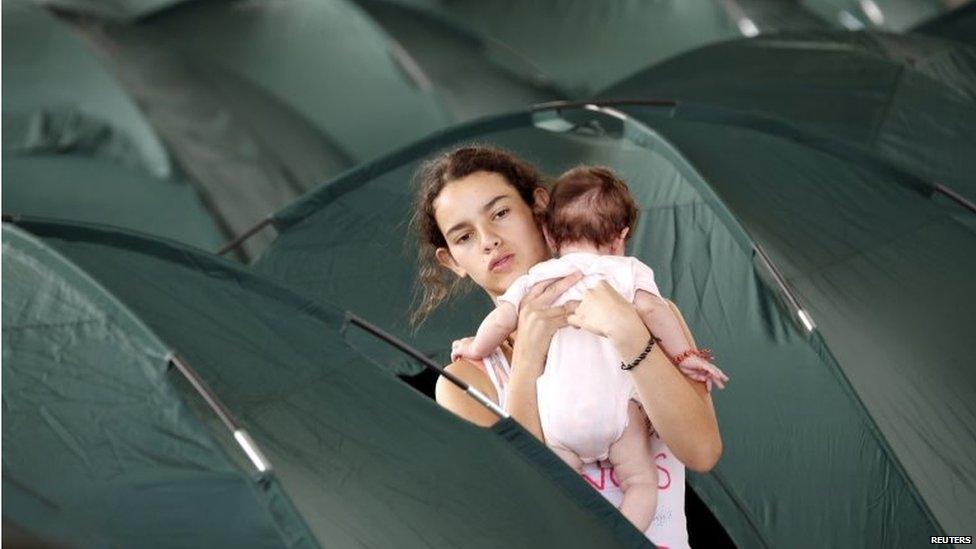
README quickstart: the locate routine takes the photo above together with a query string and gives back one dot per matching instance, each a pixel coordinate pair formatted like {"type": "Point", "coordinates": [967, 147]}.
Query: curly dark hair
{"type": "Point", "coordinates": [435, 283]}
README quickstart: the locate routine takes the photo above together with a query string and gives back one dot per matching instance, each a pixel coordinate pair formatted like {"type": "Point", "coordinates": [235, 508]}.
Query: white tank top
{"type": "Point", "coordinates": [669, 529]}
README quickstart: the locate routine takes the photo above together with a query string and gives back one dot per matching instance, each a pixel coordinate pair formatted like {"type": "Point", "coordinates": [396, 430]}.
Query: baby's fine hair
{"type": "Point", "coordinates": [589, 204]}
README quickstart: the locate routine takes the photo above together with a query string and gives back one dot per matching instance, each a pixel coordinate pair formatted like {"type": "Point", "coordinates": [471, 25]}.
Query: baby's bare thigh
{"type": "Point", "coordinates": [631, 455]}
{"type": "Point", "coordinates": [571, 458]}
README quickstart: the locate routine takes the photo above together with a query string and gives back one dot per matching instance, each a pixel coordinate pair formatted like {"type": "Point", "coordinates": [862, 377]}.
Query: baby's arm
{"type": "Point", "coordinates": [497, 326]}
{"type": "Point", "coordinates": [659, 319]}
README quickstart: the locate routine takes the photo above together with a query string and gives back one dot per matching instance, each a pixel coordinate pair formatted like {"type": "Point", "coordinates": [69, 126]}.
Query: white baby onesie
{"type": "Point", "coordinates": [583, 394]}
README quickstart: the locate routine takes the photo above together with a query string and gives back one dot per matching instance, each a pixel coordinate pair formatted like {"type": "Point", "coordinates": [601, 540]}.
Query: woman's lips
{"type": "Point", "coordinates": [502, 263]}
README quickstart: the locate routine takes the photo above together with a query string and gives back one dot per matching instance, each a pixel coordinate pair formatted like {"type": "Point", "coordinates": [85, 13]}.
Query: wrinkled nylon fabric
{"type": "Point", "coordinates": [805, 460]}
{"type": "Point", "coordinates": [366, 460]}
{"type": "Point", "coordinates": [909, 99]}
{"type": "Point", "coordinates": [99, 449]}
{"type": "Point", "coordinates": [883, 270]}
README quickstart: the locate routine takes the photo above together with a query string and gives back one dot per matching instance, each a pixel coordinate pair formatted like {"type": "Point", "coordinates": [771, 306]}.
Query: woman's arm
{"type": "Point", "coordinates": [537, 322]}
{"type": "Point", "coordinates": [680, 409]}
{"type": "Point", "coordinates": [450, 396]}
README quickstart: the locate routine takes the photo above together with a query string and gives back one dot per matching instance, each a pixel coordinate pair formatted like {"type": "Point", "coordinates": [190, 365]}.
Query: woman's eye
{"type": "Point", "coordinates": [462, 239]}
{"type": "Point", "coordinates": [501, 213]}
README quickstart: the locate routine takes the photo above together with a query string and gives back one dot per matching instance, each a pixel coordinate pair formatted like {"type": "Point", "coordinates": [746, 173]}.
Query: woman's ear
{"type": "Point", "coordinates": [549, 242]}
{"type": "Point", "coordinates": [445, 258]}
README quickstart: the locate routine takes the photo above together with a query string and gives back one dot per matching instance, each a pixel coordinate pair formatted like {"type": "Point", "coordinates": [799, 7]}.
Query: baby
{"type": "Point", "coordinates": [588, 405]}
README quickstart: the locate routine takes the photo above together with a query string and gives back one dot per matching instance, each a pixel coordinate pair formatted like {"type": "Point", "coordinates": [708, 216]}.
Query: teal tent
{"type": "Point", "coordinates": [895, 15]}
{"type": "Point", "coordinates": [76, 146]}
{"type": "Point", "coordinates": [908, 99]}
{"type": "Point", "coordinates": [56, 94]}
{"type": "Point", "coordinates": [959, 24]}
{"type": "Point", "coordinates": [97, 190]}
{"type": "Point", "coordinates": [260, 102]}
{"type": "Point", "coordinates": [158, 396]}
{"type": "Point", "coordinates": [581, 47]}
{"type": "Point", "coordinates": [833, 287]}
{"type": "Point", "coordinates": [458, 63]}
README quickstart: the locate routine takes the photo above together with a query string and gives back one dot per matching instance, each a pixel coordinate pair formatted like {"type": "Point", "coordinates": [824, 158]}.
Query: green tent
{"type": "Point", "coordinates": [259, 103]}
{"type": "Point", "coordinates": [57, 96]}
{"type": "Point", "coordinates": [896, 15]}
{"type": "Point", "coordinates": [97, 190]}
{"type": "Point", "coordinates": [458, 63]}
{"type": "Point", "coordinates": [959, 25]}
{"type": "Point", "coordinates": [908, 99]}
{"type": "Point", "coordinates": [833, 289]}
{"type": "Point", "coordinates": [157, 396]}
{"type": "Point", "coordinates": [75, 145]}
{"type": "Point", "coordinates": [581, 47]}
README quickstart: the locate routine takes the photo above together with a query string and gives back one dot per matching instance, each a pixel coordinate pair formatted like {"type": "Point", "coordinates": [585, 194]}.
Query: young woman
{"type": "Point", "coordinates": [477, 217]}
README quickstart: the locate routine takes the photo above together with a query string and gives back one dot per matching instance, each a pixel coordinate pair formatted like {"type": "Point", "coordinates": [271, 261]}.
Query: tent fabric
{"type": "Point", "coordinates": [457, 62]}
{"type": "Point", "coordinates": [895, 15]}
{"type": "Point", "coordinates": [909, 99]}
{"type": "Point", "coordinates": [360, 458]}
{"type": "Point", "coordinates": [581, 47]}
{"type": "Point", "coordinates": [99, 449]}
{"type": "Point", "coordinates": [247, 152]}
{"type": "Point", "coordinates": [259, 102]}
{"type": "Point", "coordinates": [819, 446]}
{"type": "Point", "coordinates": [958, 25]}
{"type": "Point", "coordinates": [56, 95]}
{"type": "Point", "coordinates": [97, 190]}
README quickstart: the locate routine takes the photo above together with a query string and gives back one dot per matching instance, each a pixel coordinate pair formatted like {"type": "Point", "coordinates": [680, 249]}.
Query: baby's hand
{"type": "Point", "coordinates": [462, 348]}
{"type": "Point", "coordinates": [699, 369]}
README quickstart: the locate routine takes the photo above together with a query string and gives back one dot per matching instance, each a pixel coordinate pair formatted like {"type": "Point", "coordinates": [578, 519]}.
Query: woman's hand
{"type": "Point", "coordinates": [605, 312]}
{"type": "Point", "coordinates": [539, 320]}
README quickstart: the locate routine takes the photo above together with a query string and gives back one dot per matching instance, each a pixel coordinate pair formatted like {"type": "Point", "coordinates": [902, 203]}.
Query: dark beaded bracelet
{"type": "Point", "coordinates": [650, 345]}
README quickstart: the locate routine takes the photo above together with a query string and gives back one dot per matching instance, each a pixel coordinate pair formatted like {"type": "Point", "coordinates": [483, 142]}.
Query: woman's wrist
{"type": "Point", "coordinates": [629, 336]}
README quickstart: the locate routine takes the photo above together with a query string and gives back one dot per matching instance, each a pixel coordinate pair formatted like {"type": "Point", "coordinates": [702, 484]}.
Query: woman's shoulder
{"type": "Point", "coordinates": [453, 398]}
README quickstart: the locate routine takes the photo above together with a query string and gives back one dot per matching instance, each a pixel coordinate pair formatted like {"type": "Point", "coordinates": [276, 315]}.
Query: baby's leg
{"type": "Point", "coordinates": [633, 462]}
{"type": "Point", "coordinates": [570, 457]}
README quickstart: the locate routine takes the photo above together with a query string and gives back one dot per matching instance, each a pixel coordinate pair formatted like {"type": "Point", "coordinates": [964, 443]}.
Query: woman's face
{"type": "Point", "coordinates": [490, 231]}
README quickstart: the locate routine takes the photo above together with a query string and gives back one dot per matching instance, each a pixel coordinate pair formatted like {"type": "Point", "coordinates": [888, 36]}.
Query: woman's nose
{"type": "Point", "coordinates": [490, 242]}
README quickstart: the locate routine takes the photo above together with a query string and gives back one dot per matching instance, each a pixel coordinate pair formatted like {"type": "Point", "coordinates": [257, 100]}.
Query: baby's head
{"type": "Point", "coordinates": [589, 207]}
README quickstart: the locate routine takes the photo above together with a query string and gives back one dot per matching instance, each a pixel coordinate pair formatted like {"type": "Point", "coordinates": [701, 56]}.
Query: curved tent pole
{"type": "Point", "coordinates": [241, 238]}
{"type": "Point", "coordinates": [241, 435]}
{"type": "Point", "coordinates": [427, 362]}
{"type": "Point", "coordinates": [959, 199]}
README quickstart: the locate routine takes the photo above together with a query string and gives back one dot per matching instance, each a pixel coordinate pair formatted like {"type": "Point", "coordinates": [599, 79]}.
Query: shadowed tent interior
{"type": "Point", "coordinates": [908, 99]}
{"type": "Point", "coordinates": [101, 427]}
{"type": "Point", "coordinates": [744, 228]}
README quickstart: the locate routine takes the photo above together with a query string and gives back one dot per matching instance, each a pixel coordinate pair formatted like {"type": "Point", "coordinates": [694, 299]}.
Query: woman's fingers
{"type": "Point", "coordinates": [554, 289]}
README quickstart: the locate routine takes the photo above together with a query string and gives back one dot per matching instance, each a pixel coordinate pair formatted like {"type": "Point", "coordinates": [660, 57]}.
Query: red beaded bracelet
{"type": "Point", "coordinates": [702, 353]}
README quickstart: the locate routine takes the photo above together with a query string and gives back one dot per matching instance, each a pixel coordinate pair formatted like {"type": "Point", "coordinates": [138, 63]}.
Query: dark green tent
{"type": "Point", "coordinates": [75, 145]}
{"type": "Point", "coordinates": [893, 15]}
{"type": "Point", "coordinates": [258, 104]}
{"type": "Point", "coordinates": [458, 63]}
{"type": "Point", "coordinates": [908, 99]}
{"type": "Point", "coordinates": [959, 25]}
{"type": "Point", "coordinates": [133, 369]}
{"type": "Point", "coordinates": [833, 288]}
{"type": "Point", "coordinates": [581, 47]}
